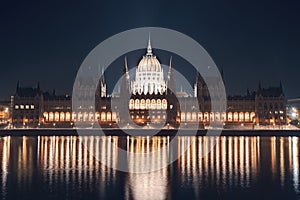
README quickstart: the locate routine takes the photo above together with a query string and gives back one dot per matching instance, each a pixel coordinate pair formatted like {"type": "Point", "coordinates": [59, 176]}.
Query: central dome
{"type": "Point", "coordinates": [149, 63]}
{"type": "Point", "coordinates": [149, 76]}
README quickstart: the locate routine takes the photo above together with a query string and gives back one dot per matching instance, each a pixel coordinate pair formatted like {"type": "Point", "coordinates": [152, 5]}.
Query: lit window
{"type": "Point", "coordinates": [22, 106]}
{"type": "Point", "coordinates": [27, 106]}
{"type": "Point", "coordinates": [16, 107]}
{"type": "Point", "coordinates": [32, 107]}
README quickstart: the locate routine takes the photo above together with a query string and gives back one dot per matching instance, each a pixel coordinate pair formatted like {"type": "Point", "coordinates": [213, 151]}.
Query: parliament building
{"type": "Point", "coordinates": [152, 101]}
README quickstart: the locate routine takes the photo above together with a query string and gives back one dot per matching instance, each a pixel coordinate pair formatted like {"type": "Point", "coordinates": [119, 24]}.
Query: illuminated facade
{"type": "Point", "coordinates": [152, 100]}
{"type": "Point", "coordinates": [4, 112]}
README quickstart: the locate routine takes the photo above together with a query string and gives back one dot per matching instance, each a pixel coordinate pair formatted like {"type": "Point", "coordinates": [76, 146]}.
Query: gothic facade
{"type": "Point", "coordinates": [152, 101]}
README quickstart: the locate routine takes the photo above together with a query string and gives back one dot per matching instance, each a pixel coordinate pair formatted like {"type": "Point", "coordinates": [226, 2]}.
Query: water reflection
{"type": "Point", "coordinates": [233, 161]}
{"type": "Point", "coordinates": [4, 148]}
{"type": "Point", "coordinates": [152, 185]}
{"type": "Point", "coordinates": [55, 166]}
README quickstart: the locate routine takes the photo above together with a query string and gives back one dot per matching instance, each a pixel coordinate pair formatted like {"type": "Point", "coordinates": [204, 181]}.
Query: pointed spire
{"type": "Point", "coordinates": [248, 92]}
{"type": "Point", "coordinates": [280, 87]}
{"type": "Point", "coordinates": [222, 75]}
{"type": "Point", "coordinates": [149, 48]}
{"type": "Point", "coordinates": [259, 88]}
{"type": "Point", "coordinates": [125, 65]}
{"type": "Point", "coordinates": [126, 71]}
{"type": "Point", "coordinates": [100, 71]}
{"type": "Point", "coordinates": [102, 77]}
{"type": "Point", "coordinates": [171, 79]}
{"type": "Point", "coordinates": [125, 84]}
{"type": "Point", "coordinates": [170, 68]}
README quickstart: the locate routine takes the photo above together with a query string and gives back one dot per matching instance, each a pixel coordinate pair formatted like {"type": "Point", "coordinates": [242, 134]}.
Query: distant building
{"type": "Point", "coordinates": [27, 106]}
{"type": "Point", "coordinates": [293, 107]}
{"type": "Point", "coordinates": [4, 112]}
{"type": "Point", "coordinates": [152, 100]}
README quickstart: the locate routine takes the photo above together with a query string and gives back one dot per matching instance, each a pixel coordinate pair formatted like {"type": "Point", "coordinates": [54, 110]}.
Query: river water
{"type": "Point", "coordinates": [69, 167]}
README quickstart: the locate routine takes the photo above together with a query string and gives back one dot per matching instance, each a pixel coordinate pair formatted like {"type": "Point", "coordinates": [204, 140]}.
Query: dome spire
{"type": "Point", "coordinates": [149, 48]}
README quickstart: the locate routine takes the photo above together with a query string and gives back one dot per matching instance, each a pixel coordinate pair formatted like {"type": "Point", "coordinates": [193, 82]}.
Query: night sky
{"type": "Point", "coordinates": [251, 40]}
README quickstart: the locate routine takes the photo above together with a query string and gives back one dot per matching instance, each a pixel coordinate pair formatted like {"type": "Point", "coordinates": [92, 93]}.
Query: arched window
{"type": "Point", "coordinates": [56, 116]}
{"type": "Point", "coordinates": [108, 116]}
{"type": "Point", "coordinates": [46, 116]}
{"type": "Point", "coordinates": [103, 116]}
{"type": "Point", "coordinates": [137, 104]}
{"type": "Point", "coordinates": [164, 104]}
{"type": "Point", "coordinates": [51, 116]}
{"type": "Point", "coordinates": [188, 116]}
{"type": "Point", "coordinates": [217, 116]}
{"type": "Point", "coordinates": [252, 115]}
{"type": "Point", "coordinates": [206, 116]}
{"type": "Point", "coordinates": [230, 117]}
{"type": "Point", "coordinates": [131, 104]}
{"type": "Point", "coordinates": [212, 116]}
{"type": "Point", "coordinates": [241, 116]}
{"type": "Point", "coordinates": [62, 116]}
{"type": "Point", "coordinates": [114, 116]}
{"type": "Point", "coordinates": [97, 116]}
{"type": "Point", "coordinates": [158, 104]}
{"type": "Point", "coordinates": [85, 116]}
{"type": "Point", "coordinates": [247, 117]}
{"type": "Point", "coordinates": [148, 104]}
{"type": "Point", "coordinates": [236, 117]}
{"type": "Point", "coordinates": [182, 116]}
{"type": "Point", "coordinates": [143, 104]}
{"type": "Point", "coordinates": [194, 117]}
{"type": "Point", "coordinates": [73, 116]}
{"type": "Point", "coordinates": [80, 117]}
{"type": "Point", "coordinates": [200, 117]}
{"type": "Point", "coordinates": [91, 117]}
{"type": "Point", "coordinates": [153, 104]}
{"type": "Point", "coordinates": [68, 116]}
{"type": "Point", "coordinates": [223, 117]}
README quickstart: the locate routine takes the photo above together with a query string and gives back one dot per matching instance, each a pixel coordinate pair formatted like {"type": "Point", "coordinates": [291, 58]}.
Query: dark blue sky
{"type": "Point", "coordinates": [251, 40]}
